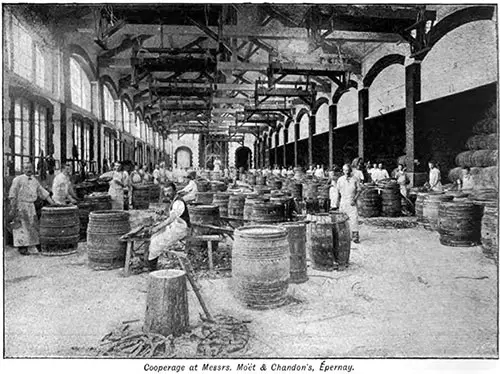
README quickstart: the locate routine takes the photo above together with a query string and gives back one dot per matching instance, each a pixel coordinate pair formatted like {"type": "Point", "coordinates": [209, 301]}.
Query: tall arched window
{"type": "Point", "coordinates": [139, 125]}
{"type": "Point", "coordinates": [81, 93]}
{"type": "Point", "coordinates": [128, 118]}
{"type": "Point", "coordinates": [109, 106]}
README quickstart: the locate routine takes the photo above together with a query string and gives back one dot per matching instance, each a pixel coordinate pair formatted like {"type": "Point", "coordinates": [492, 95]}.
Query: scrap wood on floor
{"type": "Point", "coordinates": [223, 337]}
{"type": "Point", "coordinates": [391, 222]}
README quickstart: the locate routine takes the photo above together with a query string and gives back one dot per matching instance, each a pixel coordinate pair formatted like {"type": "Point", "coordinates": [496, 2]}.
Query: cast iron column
{"type": "Point", "coordinates": [332, 124]}
{"type": "Point", "coordinates": [413, 90]}
{"type": "Point", "coordinates": [362, 114]}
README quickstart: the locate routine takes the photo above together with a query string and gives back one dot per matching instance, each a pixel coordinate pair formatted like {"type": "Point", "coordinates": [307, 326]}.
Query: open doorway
{"type": "Point", "coordinates": [183, 157]}
{"type": "Point", "coordinates": [243, 156]}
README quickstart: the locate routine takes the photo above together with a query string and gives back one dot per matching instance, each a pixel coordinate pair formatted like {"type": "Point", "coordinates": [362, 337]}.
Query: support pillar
{"type": "Point", "coordinates": [362, 114]}
{"type": "Point", "coordinates": [312, 127]}
{"type": "Point", "coordinates": [413, 91]}
{"type": "Point", "coordinates": [295, 145]}
{"type": "Point", "coordinates": [66, 94]}
{"type": "Point", "coordinates": [276, 142]}
{"type": "Point", "coordinates": [285, 139]}
{"type": "Point", "coordinates": [332, 124]}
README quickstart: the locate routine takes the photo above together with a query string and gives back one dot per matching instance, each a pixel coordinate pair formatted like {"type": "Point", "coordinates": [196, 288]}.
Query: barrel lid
{"type": "Point", "coordinates": [168, 273]}
{"type": "Point", "coordinates": [293, 224]}
{"type": "Point", "coordinates": [261, 231]}
{"type": "Point", "coordinates": [60, 207]}
{"type": "Point", "coordinates": [109, 212]}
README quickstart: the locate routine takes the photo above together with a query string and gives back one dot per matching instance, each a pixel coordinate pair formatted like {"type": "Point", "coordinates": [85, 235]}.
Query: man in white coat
{"type": "Point", "coordinates": [348, 187]}
{"type": "Point", "coordinates": [62, 188]}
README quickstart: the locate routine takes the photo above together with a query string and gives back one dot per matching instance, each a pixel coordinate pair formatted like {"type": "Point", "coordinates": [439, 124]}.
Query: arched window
{"type": "Point", "coordinates": [109, 106]}
{"type": "Point", "coordinates": [81, 93]}
{"type": "Point", "coordinates": [139, 127]}
{"type": "Point", "coordinates": [128, 118]}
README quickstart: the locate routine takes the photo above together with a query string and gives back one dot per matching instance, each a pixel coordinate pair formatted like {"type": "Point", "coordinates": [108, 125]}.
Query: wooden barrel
{"type": "Point", "coordinates": [481, 158]}
{"type": "Point", "coordinates": [205, 198]}
{"type": "Point", "coordinates": [296, 189]}
{"type": "Point", "coordinates": [288, 205]}
{"type": "Point", "coordinates": [455, 174]}
{"type": "Point", "coordinates": [140, 196]}
{"type": "Point", "coordinates": [341, 238]}
{"type": "Point", "coordinates": [261, 180]}
{"type": "Point", "coordinates": [310, 190]}
{"type": "Point", "coordinates": [262, 189]}
{"type": "Point", "coordinates": [215, 175]}
{"type": "Point", "coordinates": [419, 206]}
{"type": "Point", "coordinates": [266, 213]}
{"type": "Point", "coordinates": [203, 185]}
{"type": "Point", "coordinates": [297, 244]}
{"type": "Point", "coordinates": [459, 224]}
{"type": "Point", "coordinates": [99, 202]}
{"type": "Point", "coordinates": [430, 208]}
{"type": "Point", "coordinates": [261, 266]}
{"type": "Point", "coordinates": [59, 230]}
{"type": "Point", "coordinates": [154, 192]}
{"type": "Point", "coordinates": [250, 200]}
{"type": "Point", "coordinates": [83, 215]}
{"type": "Point", "coordinates": [321, 242]}
{"type": "Point", "coordinates": [235, 206]}
{"type": "Point", "coordinates": [482, 142]}
{"type": "Point", "coordinates": [221, 199]}
{"type": "Point", "coordinates": [105, 250]}
{"type": "Point", "coordinates": [369, 202]}
{"type": "Point", "coordinates": [489, 230]}
{"type": "Point", "coordinates": [391, 200]}
{"type": "Point", "coordinates": [252, 180]}
{"type": "Point", "coordinates": [217, 186]}
{"type": "Point", "coordinates": [204, 215]}
{"type": "Point", "coordinates": [276, 184]}
{"type": "Point", "coordinates": [487, 125]}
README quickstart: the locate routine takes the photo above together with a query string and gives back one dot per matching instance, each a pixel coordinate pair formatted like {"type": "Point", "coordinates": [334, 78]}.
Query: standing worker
{"type": "Point", "coordinates": [349, 189]}
{"type": "Point", "coordinates": [117, 185]}
{"type": "Point", "coordinates": [23, 193]}
{"type": "Point", "coordinates": [434, 183]}
{"type": "Point", "coordinates": [402, 179]}
{"type": "Point", "coordinates": [167, 233]}
{"type": "Point", "coordinates": [62, 188]}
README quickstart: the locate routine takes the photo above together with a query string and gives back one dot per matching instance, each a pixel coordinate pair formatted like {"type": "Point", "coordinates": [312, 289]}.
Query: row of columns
{"type": "Point", "coordinates": [412, 96]}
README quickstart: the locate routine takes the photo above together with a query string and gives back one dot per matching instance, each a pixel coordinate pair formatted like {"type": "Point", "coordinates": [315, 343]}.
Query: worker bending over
{"type": "Point", "coordinates": [169, 232]}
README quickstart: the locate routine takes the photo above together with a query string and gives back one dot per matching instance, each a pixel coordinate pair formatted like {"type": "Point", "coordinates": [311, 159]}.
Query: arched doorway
{"type": "Point", "coordinates": [183, 157]}
{"type": "Point", "coordinates": [243, 158]}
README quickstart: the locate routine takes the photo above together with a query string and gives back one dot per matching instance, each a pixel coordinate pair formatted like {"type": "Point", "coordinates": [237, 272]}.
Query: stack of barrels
{"type": "Point", "coordinates": [482, 152]}
{"type": "Point", "coordinates": [59, 230]}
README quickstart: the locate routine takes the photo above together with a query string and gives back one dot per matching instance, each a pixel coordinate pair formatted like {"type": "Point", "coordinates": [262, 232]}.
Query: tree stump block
{"type": "Point", "coordinates": [167, 303]}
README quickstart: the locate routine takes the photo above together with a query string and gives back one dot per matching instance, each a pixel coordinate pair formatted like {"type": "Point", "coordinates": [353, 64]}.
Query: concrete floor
{"type": "Point", "coordinates": [404, 295]}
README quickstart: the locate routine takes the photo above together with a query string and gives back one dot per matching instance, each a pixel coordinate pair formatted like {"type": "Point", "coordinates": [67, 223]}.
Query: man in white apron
{"type": "Point", "coordinates": [348, 188]}
{"type": "Point", "coordinates": [23, 193]}
{"type": "Point", "coordinates": [117, 185]}
{"type": "Point", "coordinates": [169, 232]}
{"type": "Point", "coordinates": [62, 190]}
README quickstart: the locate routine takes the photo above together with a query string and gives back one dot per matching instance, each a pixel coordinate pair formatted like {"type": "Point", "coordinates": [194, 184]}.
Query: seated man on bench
{"type": "Point", "coordinates": [169, 232]}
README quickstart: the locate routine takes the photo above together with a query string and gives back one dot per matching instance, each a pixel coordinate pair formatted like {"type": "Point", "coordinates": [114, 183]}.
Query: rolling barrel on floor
{"type": "Point", "coordinates": [430, 209]}
{"type": "Point", "coordinates": [341, 238]}
{"type": "Point", "coordinates": [261, 266]}
{"type": "Point", "coordinates": [297, 244]}
{"type": "Point", "coordinates": [459, 224]}
{"type": "Point", "coordinates": [105, 250]}
{"type": "Point", "coordinates": [59, 230]}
